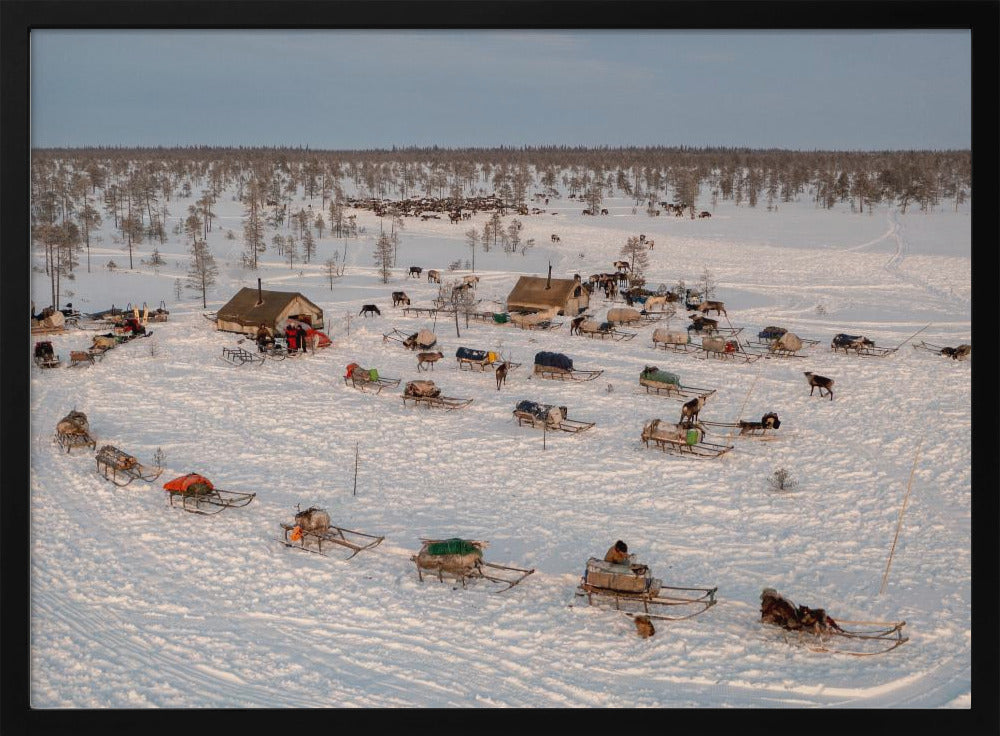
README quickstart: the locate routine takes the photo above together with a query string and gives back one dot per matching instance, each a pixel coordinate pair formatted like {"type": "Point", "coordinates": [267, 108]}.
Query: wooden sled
{"type": "Point", "coordinates": [445, 402]}
{"type": "Point", "coordinates": [239, 356]}
{"type": "Point", "coordinates": [484, 362]}
{"type": "Point", "coordinates": [410, 341]}
{"type": "Point", "coordinates": [674, 390]}
{"type": "Point", "coordinates": [960, 352]}
{"type": "Point", "coordinates": [465, 566]}
{"type": "Point", "coordinates": [855, 638]}
{"type": "Point", "coordinates": [677, 440]}
{"type": "Point", "coordinates": [212, 502]}
{"type": "Point", "coordinates": [543, 325]}
{"type": "Point", "coordinates": [560, 374]}
{"type": "Point", "coordinates": [755, 430]}
{"type": "Point", "coordinates": [313, 541]}
{"type": "Point", "coordinates": [613, 332]}
{"type": "Point", "coordinates": [732, 351]}
{"type": "Point", "coordinates": [562, 425]}
{"type": "Point", "coordinates": [121, 468]}
{"type": "Point", "coordinates": [68, 441]}
{"type": "Point", "coordinates": [361, 381]}
{"type": "Point", "coordinates": [630, 588]}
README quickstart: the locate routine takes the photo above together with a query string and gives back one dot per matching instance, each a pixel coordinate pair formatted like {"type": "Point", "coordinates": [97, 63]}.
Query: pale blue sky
{"type": "Point", "coordinates": [804, 90]}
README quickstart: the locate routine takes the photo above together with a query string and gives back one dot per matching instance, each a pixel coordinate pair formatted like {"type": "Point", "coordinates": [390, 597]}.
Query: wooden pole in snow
{"type": "Point", "coordinates": [899, 524]}
{"type": "Point", "coordinates": [355, 469]}
{"type": "Point", "coordinates": [913, 335]}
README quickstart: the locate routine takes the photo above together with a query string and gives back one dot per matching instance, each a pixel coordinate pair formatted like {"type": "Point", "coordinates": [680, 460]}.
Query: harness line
{"type": "Point", "coordinates": [899, 523]}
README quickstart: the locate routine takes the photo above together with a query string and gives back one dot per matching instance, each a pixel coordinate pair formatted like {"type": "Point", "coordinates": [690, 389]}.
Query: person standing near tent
{"type": "Point", "coordinates": [300, 337]}
{"type": "Point", "coordinates": [290, 336]}
{"type": "Point", "coordinates": [263, 337]}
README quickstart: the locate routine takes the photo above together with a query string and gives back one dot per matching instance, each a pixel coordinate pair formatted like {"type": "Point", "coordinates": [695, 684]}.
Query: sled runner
{"type": "Point", "coordinates": [630, 588]}
{"type": "Point", "coordinates": [960, 352]}
{"type": "Point", "coordinates": [681, 439]}
{"type": "Point", "coordinates": [815, 630]}
{"type": "Point", "coordinates": [427, 394]}
{"type": "Point", "coordinates": [121, 468]}
{"type": "Point", "coordinates": [312, 529]}
{"type": "Point", "coordinates": [239, 356]}
{"type": "Point", "coordinates": [462, 559]}
{"type": "Point", "coordinates": [73, 430]}
{"type": "Point", "coordinates": [669, 384]}
{"type": "Point", "coordinates": [557, 366]}
{"type": "Point", "coordinates": [420, 340]}
{"type": "Point", "coordinates": [548, 416]}
{"type": "Point", "coordinates": [367, 379]}
{"type": "Point", "coordinates": [197, 494]}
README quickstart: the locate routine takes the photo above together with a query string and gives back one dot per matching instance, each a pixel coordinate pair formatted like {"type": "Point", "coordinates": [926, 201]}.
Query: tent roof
{"type": "Point", "coordinates": [243, 306]}
{"type": "Point", "coordinates": [531, 290]}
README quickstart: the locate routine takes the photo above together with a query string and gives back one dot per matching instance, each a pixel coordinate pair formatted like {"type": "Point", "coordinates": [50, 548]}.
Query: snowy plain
{"type": "Point", "coordinates": [134, 604]}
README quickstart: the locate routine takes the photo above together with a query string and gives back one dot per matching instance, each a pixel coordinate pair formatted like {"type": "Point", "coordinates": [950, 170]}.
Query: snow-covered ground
{"type": "Point", "coordinates": [135, 604]}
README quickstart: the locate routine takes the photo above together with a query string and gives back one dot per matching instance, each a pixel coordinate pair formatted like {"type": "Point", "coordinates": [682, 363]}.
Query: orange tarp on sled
{"type": "Point", "coordinates": [186, 481]}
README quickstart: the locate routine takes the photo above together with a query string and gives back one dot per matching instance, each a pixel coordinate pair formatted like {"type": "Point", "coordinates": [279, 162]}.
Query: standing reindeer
{"type": "Point", "coordinates": [820, 382]}
{"type": "Point", "coordinates": [429, 359]}
{"type": "Point", "coordinates": [501, 373]}
{"type": "Point", "coordinates": [369, 310]}
{"type": "Point", "coordinates": [691, 409]}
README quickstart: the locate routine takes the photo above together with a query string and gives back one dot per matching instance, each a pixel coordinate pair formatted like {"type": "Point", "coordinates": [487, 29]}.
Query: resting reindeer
{"type": "Point", "coordinates": [400, 297]}
{"type": "Point", "coordinates": [820, 382]}
{"type": "Point", "coordinates": [369, 310]}
{"type": "Point", "coordinates": [707, 306]}
{"type": "Point", "coordinates": [501, 372]}
{"type": "Point", "coordinates": [691, 409]}
{"type": "Point", "coordinates": [429, 359]}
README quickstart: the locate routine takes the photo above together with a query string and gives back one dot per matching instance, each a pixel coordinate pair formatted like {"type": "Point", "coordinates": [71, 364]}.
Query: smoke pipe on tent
{"type": "Point", "coordinates": [548, 281]}
{"type": "Point", "coordinates": [260, 295]}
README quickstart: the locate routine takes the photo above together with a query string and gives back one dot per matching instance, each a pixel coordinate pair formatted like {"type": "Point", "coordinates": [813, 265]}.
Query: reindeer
{"type": "Point", "coordinates": [574, 326]}
{"type": "Point", "coordinates": [369, 310]}
{"type": "Point", "coordinates": [957, 353]}
{"type": "Point", "coordinates": [650, 243]}
{"type": "Point", "coordinates": [604, 211]}
{"type": "Point", "coordinates": [820, 382]}
{"type": "Point", "coordinates": [501, 373]}
{"type": "Point", "coordinates": [703, 214]}
{"type": "Point", "coordinates": [621, 265]}
{"type": "Point", "coordinates": [707, 306]}
{"type": "Point", "coordinates": [428, 358]}
{"type": "Point", "coordinates": [400, 297]}
{"type": "Point", "coordinates": [691, 409]}
{"type": "Point", "coordinates": [434, 276]}
{"type": "Point", "coordinates": [471, 281]}
{"type": "Point", "coordinates": [455, 217]}
{"type": "Point", "coordinates": [555, 238]}
{"type": "Point", "coordinates": [415, 272]}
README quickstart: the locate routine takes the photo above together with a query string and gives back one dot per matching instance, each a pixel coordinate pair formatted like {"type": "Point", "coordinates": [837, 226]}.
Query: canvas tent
{"type": "Point", "coordinates": [538, 293]}
{"type": "Point", "coordinates": [250, 307]}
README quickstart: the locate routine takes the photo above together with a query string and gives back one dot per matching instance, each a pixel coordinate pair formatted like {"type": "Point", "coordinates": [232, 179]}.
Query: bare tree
{"type": "Point", "coordinates": [253, 224]}
{"type": "Point", "coordinates": [472, 239]}
{"type": "Point", "coordinates": [384, 256]}
{"type": "Point", "coordinates": [203, 271]}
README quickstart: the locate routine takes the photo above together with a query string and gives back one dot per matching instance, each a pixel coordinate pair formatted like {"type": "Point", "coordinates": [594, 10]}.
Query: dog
{"type": "Point", "coordinates": [429, 359]}
{"type": "Point", "coordinates": [369, 310]}
{"type": "Point", "coordinates": [820, 382]}
{"type": "Point", "coordinates": [644, 626]}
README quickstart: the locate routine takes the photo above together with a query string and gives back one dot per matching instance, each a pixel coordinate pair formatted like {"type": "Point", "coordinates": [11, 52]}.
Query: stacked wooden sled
{"type": "Point", "coordinates": [547, 416]}
{"type": "Point", "coordinates": [368, 379]}
{"type": "Point", "coordinates": [198, 495]}
{"type": "Point", "coordinates": [311, 530]}
{"type": "Point", "coordinates": [687, 440]}
{"type": "Point", "coordinates": [669, 384]}
{"type": "Point", "coordinates": [462, 560]}
{"type": "Point", "coordinates": [426, 393]}
{"type": "Point", "coordinates": [121, 468]}
{"type": "Point", "coordinates": [559, 367]}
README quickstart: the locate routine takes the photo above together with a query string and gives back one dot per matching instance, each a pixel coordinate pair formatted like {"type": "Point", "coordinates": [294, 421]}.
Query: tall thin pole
{"type": "Point", "coordinates": [899, 524]}
{"type": "Point", "coordinates": [355, 469]}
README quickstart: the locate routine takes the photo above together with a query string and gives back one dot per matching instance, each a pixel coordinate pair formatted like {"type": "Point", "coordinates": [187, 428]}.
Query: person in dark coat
{"type": "Point", "coordinates": [300, 337]}
{"type": "Point", "coordinates": [618, 553]}
{"type": "Point", "coordinates": [263, 337]}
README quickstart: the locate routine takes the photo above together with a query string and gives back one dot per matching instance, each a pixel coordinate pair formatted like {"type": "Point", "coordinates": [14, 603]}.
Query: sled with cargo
{"type": "Point", "coordinates": [311, 531]}
{"type": "Point", "coordinates": [722, 349]}
{"type": "Point", "coordinates": [426, 393]}
{"type": "Point", "coordinates": [594, 329]}
{"type": "Point", "coordinates": [552, 418]}
{"type": "Point", "coordinates": [679, 341]}
{"type": "Point", "coordinates": [813, 629]}
{"type": "Point", "coordinates": [462, 560]}
{"type": "Point", "coordinates": [682, 439]}
{"type": "Point", "coordinates": [45, 356]}
{"type": "Point", "coordinates": [628, 316]}
{"type": "Point", "coordinates": [73, 430]}
{"type": "Point", "coordinates": [669, 384]}
{"type": "Point", "coordinates": [480, 360]}
{"type": "Point", "coordinates": [559, 367]}
{"type": "Point", "coordinates": [368, 379]}
{"type": "Point", "coordinates": [121, 468]}
{"type": "Point", "coordinates": [777, 342]}
{"type": "Point", "coordinates": [420, 340]}
{"type": "Point", "coordinates": [959, 352]}
{"type": "Point", "coordinates": [859, 345]}
{"type": "Point", "coordinates": [631, 588]}
{"type": "Point", "coordinates": [198, 495]}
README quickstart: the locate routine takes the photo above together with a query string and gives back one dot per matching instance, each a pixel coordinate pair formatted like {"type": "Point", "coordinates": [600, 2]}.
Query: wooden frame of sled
{"type": "Point", "coordinates": [674, 390]}
{"type": "Point", "coordinates": [543, 325]}
{"type": "Point", "coordinates": [312, 541]}
{"type": "Point", "coordinates": [426, 311]}
{"type": "Point", "coordinates": [565, 425]}
{"type": "Point", "coordinates": [239, 356]}
{"type": "Point", "coordinates": [446, 402]}
{"type": "Point", "coordinates": [676, 445]}
{"type": "Point", "coordinates": [560, 374]}
{"type": "Point", "coordinates": [121, 468]}
{"type": "Point", "coordinates": [630, 586]}
{"type": "Point", "coordinates": [871, 351]}
{"type": "Point", "coordinates": [408, 341]}
{"type": "Point", "coordinates": [68, 441]}
{"type": "Point", "coordinates": [481, 365]}
{"type": "Point", "coordinates": [367, 385]}
{"type": "Point", "coordinates": [466, 567]}
{"type": "Point", "coordinates": [733, 355]}
{"type": "Point", "coordinates": [613, 332]}
{"type": "Point", "coordinates": [855, 638]}
{"type": "Point", "coordinates": [686, 347]}
{"type": "Point", "coordinates": [212, 502]}
{"type": "Point", "coordinates": [747, 429]}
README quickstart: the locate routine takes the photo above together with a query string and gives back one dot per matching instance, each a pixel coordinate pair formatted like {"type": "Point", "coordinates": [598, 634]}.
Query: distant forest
{"type": "Point", "coordinates": [73, 190]}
